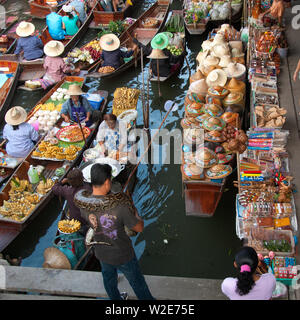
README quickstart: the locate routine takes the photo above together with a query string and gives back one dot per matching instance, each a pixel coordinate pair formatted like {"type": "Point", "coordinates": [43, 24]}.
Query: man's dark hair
{"type": "Point", "coordinates": [75, 178]}
{"type": "Point", "coordinates": [100, 173]}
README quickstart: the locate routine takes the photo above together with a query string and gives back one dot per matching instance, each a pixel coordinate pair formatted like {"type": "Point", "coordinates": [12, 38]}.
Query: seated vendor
{"type": "Point", "coordinates": [167, 62]}
{"type": "Point", "coordinates": [77, 107]}
{"type": "Point", "coordinates": [80, 7]}
{"type": "Point", "coordinates": [110, 136]}
{"type": "Point", "coordinates": [71, 22]}
{"type": "Point", "coordinates": [112, 55]}
{"type": "Point", "coordinates": [55, 24]}
{"type": "Point", "coordinates": [55, 67]}
{"type": "Point", "coordinates": [67, 189]}
{"type": "Point", "coordinates": [30, 45]}
{"type": "Point", "coordinates": [21, 136]}
{"type": "Point", "coordinates": [275, 12]}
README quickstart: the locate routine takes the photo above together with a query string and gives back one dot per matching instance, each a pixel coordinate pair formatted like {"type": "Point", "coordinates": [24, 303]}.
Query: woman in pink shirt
{"type": "Point", "coordinates": [250, 283]}
{"type": "Point", "coordinates": [54, 65]}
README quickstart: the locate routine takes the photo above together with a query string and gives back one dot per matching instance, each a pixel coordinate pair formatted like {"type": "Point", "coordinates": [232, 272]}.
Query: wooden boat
{"type": "Point", "coordinates": [34, 69]}
{"type": "Point", "coordinates": [40, 9]}
{"type": "Point", "coordinates": [10, 21]}
{"type": "Point", "coordinates": [159, 11]}
{"type": "Point", "coordinates": [196, 28]}
{"type": "Point", "coordinates": [8, 89]}
{"type": "Point", "coordinates": [10, 229]}
{"type": "Point", "coordinates": [102, 18]}
{"type": "Point", "coordinates": [183, 35]}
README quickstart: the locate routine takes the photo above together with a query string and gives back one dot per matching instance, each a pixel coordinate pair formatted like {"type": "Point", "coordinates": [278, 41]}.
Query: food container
{"type": "Point", "coordinates": [92, 154]}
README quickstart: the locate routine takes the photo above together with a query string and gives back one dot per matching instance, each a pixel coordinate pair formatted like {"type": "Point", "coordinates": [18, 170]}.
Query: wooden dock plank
{"type": "Point", "coordinates": [89, 284]}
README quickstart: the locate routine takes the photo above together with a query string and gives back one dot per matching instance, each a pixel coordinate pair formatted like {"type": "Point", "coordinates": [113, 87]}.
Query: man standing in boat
{"type": "Point", "coordinates": [108, 214]}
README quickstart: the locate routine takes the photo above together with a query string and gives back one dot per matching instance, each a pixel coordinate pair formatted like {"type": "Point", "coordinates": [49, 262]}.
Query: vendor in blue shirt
{"type": "Point", "coordinates": [21, 136]}
{"type": "Point", "coordinates": [77, 106]}
{"type": "Point", "coordinates": [31, 46]}
{"type": "Point", "coordinates": [55, 24]}
{"type": "Point", "coordinates": [112, 55]}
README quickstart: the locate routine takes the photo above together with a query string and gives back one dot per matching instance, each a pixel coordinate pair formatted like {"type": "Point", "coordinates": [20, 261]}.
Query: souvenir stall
{"type": "Point", "coordinates": [265, 209]}
{"type": "Point", "coordinates": [214, 107]}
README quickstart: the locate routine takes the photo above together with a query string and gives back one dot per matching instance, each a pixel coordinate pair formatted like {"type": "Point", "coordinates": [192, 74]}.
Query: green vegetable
{"type": "Point", "coordinates": [60, 172]}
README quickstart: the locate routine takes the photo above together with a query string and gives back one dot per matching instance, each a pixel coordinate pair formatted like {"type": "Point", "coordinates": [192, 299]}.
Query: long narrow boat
{"type": "Point", "coordinates": [7, 90]}
{"type": "Point", "coordinates": [10, 228]}
{"type": "Point", "coordinates": [182, 35]}
{"type": "Point", "coordinates": [34, 69]}
{"type": "Point", "coordinates": [40, 9]}
{"type": "Point", "coordinates": [103, 18]}
{"type": "Point", "coordinates": [194, 28]}
{"type": "Point", "coordinates": [158, 11]}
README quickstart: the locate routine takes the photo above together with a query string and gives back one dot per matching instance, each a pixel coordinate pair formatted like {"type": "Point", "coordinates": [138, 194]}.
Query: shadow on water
{"type": "Point", "coordinates": [171, 243]}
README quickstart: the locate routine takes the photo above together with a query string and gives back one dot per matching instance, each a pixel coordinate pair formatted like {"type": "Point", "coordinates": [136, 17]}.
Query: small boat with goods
{"type": "Point", "coordinates": [176, 32]}
{"type": "Point", "coordinates": [41, 8]}
{"type": "Point", "coordinates": [27, 192]}
{"type": "Point", "coordinates": [144, 29]}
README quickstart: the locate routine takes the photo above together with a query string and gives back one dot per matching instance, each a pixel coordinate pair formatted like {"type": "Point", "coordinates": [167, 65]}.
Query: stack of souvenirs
{"type": "Point", "coordinates": [214, 105]}
{"type": "Point", "coordinates": [266, 214]}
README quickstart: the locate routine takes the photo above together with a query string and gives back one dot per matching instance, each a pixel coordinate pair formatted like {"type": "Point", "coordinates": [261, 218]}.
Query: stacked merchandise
{"type": "Point", "coordinates": [266, 214]}
{"type": "Point", "coordinates": [214, 106]}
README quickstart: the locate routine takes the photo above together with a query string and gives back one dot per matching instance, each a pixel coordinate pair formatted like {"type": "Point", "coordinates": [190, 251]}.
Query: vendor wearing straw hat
{"type": "Point", "coordinates": [30, 45]}
{"type": "Point", "coordinates": [112, 55]}
{"type": "Point", "coordinates": [19, 134]}
{"type": "Point", "coordinates": [77, 107]}
{"type": "Point", "coordinates": [167, 62]}
{"type": "Point", "coordinates": [54, 65]}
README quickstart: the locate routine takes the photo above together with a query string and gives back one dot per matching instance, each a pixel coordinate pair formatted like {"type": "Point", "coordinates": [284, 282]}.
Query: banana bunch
{"type": "Point", "coordinates": [125, 99]}
{"type": "Point", "coordinates": [69, 226]}
{"type": "Point", "coordinates": [50, 106]}
{"type": "Point", "coordinates": [45, 186]}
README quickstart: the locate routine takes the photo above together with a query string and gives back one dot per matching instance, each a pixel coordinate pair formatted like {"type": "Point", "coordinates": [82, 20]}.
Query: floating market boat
{"type": "Point", "coordinates": [10, 71]}
{"type": "Point", "coordinates": [156, 16]}
{"type": "Point", "coordinates": [193, 23]}
{"type": "Point", "coordinates": [102, 18]}
{"type": "Point", "coordinates": [10, 21]}
{"type": "Point", "coordinates": [174, 25]}
{"type": "Point", "coordinates": [15, 216]}
{"type": "Point", "coordinates": [40, 8]}
{"type": "Point", "coordinates": [34, 69]}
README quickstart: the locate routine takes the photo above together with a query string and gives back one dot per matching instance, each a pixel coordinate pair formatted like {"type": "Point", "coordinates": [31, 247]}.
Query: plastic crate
{"type": "Point", "coordinates": [95, 100]}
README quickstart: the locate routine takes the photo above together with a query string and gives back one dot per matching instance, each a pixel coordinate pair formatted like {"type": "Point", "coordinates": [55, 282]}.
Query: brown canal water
{"type": "Point", "coordinates": [197, 247]}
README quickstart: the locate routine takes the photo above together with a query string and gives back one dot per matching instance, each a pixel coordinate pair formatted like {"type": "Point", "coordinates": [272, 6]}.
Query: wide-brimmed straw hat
{"type": "Point", "coordinates": [160, 41]}
{"type": "Point", "coordinates": [25, 29]}
{"type": "Point", "coordinates": [109, 42]}
{"type": "Point", "coordinates": [54, 48]}
{"type": "Point", "coordinates": [55, 259]}
{"type": "Point", "coordinates": [157, 54]}
{"type": "Point", "coordinates": [224, 61]}
{"type": "Point", "coordinates": [220, 50]}
{"type": "Point", "coordinates": [74, 90]}
{"type": "Point", "coordinates": [235, 70]}
{"type": "Point", "coordinates": [15, 116]}
{"type": "Point", "coordinates": [216, 77]}
{"type": "Point", "coordinates": [67, 8]}
{"type": "Point", "coordinates": [211, 61]}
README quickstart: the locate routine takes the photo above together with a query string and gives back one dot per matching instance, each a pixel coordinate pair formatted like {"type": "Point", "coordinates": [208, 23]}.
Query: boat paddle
{"type": "Point", "coordinates": [78, 121]}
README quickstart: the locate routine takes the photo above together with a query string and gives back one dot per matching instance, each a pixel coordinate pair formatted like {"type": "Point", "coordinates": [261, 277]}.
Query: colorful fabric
{"type": "Point", "coordinates": [20, 141]}
{"type": "Point", "coordinates": [55, 68]}
{"type": "Point", "coordinates": [54, 23]}
{"type": "Point", "coordinates": [71, 25]}
{"type": "Point", "coordinates": [31, 46]}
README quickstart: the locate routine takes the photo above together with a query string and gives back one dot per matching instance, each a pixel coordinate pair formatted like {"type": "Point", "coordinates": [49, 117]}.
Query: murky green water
{"type": "Point", "coordinates": [197, 247]}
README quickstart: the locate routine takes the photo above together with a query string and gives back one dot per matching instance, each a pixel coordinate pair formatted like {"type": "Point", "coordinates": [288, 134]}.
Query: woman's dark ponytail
{"type": "Point", "coordinates": [246, 260]}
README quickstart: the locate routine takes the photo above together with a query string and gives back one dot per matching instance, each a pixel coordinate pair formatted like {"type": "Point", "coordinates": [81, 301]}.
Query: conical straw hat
{"type": "Point", "coordinates": [220, 50]}
{"type": "Point", "coordinates": [54, 48]}
{"type": "Point", "coordinates": [157, 54]}
{"type": "Point", "coordinates": [25, 29]}
{"type": "Point", "coordinates": [15, 116]}
{"type": "Point", "coordinates": [219, 39]}
{"type": "Point", "coordinates": [199, 87]}
{"type": "Point", "coordinates": [109, 42]}
{"type": "Point", "coordinates": [196, 76]}
{"type": "Point", "coordinates": [55, 259]}
{"type": "Point", "coordinates": [235, 85]}
{"type": "Point", "coordinates": [74, 90]}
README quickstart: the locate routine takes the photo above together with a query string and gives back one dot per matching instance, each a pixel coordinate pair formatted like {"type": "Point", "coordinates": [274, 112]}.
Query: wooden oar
{"type": "Point", "coordinates": [77, 116]}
